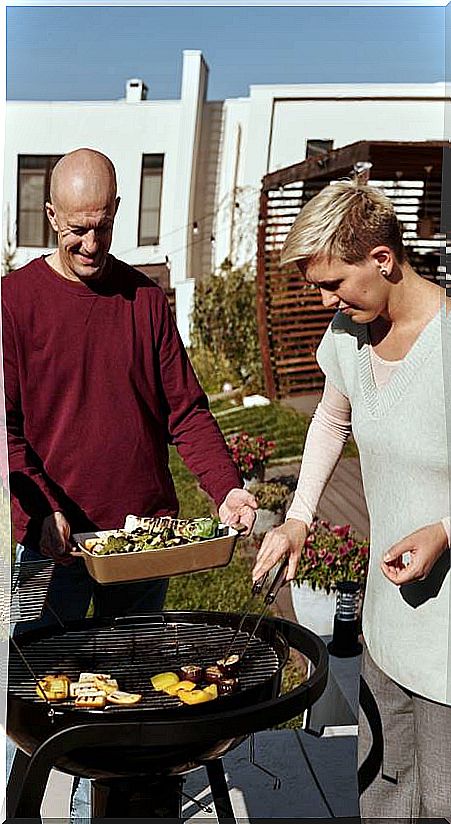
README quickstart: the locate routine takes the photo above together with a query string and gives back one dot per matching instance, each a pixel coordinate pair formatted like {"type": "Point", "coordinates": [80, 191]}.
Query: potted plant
{"type": "Point", "coordinates": [331, 554]}
{"type": "Point", "coordinates": [272, 499]}
{"type": "Point", "coordinates": [251, 454]}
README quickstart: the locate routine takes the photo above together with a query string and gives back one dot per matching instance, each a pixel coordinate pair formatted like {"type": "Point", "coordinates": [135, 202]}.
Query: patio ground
{"type": "Point", "coordinates": [318, 780]}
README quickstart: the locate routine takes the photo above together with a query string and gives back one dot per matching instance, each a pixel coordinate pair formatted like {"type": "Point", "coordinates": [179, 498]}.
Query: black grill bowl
{"type": "Point", "coordinates": [157, 736]}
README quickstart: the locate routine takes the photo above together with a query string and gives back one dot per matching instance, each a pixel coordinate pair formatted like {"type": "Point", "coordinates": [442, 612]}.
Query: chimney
{"type": "Point", "coordinates": [135, 90]}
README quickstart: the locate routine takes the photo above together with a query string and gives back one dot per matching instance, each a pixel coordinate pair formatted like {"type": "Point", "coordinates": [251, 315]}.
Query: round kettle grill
{"type": "Point", "coordinates": [159, 737]}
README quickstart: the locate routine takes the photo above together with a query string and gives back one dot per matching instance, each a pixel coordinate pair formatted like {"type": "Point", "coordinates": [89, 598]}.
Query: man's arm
{"type": "Point", "coordinates": [27, 480]}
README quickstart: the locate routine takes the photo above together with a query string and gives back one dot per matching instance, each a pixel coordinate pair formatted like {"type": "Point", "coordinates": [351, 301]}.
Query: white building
{"type": "Point", "coordinates": [189, 170]}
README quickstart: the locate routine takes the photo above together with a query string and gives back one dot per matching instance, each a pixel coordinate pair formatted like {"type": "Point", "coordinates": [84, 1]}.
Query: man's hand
{"type": "Point", "coordinates": [239, 507]}
{"type": "Point", "coordinates": [287, 539]}
{"type": "Point", "coordinates": [55, 538]}
{"type": "Point", "coordinates": [425, 547]}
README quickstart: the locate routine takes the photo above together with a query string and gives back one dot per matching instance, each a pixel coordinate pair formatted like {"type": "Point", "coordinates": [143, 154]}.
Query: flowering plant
{"type": "Point", "coordinates": [272, 496]}
{"type": "Point", "coordinates": [250, 453]}
{"type": "Point", "coordinates": [332, 554]}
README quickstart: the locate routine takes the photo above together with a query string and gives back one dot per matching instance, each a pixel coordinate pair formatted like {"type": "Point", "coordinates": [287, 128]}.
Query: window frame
{"type": "Point", "coordinates": [150, 172]}
{"type": "Point", "coordinates": [47, 233]}
{"type": "Point", "coordinates": [308, 140]}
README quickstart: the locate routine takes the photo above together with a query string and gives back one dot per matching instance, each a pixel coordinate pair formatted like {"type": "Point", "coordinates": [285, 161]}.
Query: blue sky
{"type": "Point", "coordinates": [67, 53]}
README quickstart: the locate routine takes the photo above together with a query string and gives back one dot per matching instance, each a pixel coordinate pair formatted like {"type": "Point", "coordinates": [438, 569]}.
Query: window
{"type": "Point", "coordinates": [150, 199]}
{"type": "Point", "coordinates": [316, 148]}
{"type": "Point", "coordinates": [33, 228]}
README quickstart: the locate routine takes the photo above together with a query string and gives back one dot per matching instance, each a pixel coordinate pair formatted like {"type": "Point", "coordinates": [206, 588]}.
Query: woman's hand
{"type": "Point", "coordinates": [288, 539]}
{"type": "Point", "coordinates": [425, 546]}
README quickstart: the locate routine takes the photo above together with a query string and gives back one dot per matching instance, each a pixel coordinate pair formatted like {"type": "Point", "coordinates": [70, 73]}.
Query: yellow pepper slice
{"type": "Point", "coordinates": [194, 697]}
{"type": "Point", "coordinates": [164, 680]}
{"type": "Point", "coordinates": [181, 686]}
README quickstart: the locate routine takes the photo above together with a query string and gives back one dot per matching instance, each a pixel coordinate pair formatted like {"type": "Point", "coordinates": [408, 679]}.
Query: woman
{"type": "Point", "coordinates": [386, 357]}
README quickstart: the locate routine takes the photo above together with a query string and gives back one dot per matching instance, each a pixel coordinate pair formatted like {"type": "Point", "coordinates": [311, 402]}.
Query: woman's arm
{"type": "Point", "coordinates": [328, 431]}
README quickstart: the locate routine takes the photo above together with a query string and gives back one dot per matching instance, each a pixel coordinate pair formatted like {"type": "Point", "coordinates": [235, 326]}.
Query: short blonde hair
{"type": "Point", "coordinates": [345, 220]}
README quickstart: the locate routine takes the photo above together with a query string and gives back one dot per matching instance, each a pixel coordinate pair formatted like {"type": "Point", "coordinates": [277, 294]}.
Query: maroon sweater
{"type": "Point", "coordinates": [97, 384]}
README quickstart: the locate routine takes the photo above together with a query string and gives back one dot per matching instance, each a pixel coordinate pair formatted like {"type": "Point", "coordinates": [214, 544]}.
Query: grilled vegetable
{"type": "Point", "coordinates": [163, 680]}
{"type": "Point", "coordinates": [212, 690]}
{"type": "Point", "coordinates": [230, 665]}
{"type": "Point", "coordinates": [197, 528]}
{"type": "Point", "coordinates": [195, 696]}
{"type": "Point", "coordinates": [191, 672]}
{"type": "Point", "coordinates": [54, 687]}
{"type": "Point", "coordinates": [227, 686]}
{"type": "Point", "coordinates": [123, 698]}
{"type": "Point", "coordinates": [147, 534]}
{"type": "Point", "coordinates": [187, 686]}
{"type": "Point", "coordinates": [213, 675]}
{"type": "Point", "coordinates": [92, 702]}
{"type": "Point", "coordinates": [108, 685]}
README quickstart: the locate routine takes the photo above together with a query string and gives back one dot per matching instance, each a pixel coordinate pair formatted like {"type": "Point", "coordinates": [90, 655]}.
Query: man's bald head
{"type": "Point", "coordinates": [83, 179]}
{"type": "Point", "coordinates": [81, 211]}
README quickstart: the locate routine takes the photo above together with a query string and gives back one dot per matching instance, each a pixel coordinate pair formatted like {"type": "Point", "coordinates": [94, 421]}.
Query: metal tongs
{"type": "Point", "coordinates": [273, 580]}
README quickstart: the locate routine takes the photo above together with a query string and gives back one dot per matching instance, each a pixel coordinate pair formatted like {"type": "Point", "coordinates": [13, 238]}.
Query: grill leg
{"type": "Point", "coordinates": [139, 797]}
{"type": "Point", "coordinates": [219, 791]}
{"type": "Point", "coordinates": [15, 781]}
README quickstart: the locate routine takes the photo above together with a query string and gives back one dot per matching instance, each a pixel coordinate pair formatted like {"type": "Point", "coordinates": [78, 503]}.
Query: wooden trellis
{"type": "Point", "coordinates": [291, 317]}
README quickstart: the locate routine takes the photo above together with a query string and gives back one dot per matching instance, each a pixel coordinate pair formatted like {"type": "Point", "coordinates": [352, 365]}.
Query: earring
{"type": "Point", "coordinates": [384, 272]}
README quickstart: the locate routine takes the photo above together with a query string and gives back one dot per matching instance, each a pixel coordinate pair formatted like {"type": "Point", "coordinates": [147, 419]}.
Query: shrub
{"type": "Point", "coordinates": [272, 496]}
{"type": "Point", "coordinates": [213, 370]}
{"type": "Point", "coordinates": [224, 322]}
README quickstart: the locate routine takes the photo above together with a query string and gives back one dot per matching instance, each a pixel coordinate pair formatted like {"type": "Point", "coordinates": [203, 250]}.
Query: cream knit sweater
{"type": "Point", "coordinates": [402, 433]}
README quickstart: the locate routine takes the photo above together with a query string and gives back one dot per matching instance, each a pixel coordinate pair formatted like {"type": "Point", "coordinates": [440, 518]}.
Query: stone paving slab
{"type": "Point", "coordinates": [318, 780]}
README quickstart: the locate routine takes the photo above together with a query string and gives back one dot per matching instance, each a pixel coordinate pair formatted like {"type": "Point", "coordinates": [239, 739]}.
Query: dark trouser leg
{"type": "Point", "coordinates": [394, 791]}
{"type": "Point", "coordinates": [141, 598]}
{"type": "Point", "coordinates": [69, 592]}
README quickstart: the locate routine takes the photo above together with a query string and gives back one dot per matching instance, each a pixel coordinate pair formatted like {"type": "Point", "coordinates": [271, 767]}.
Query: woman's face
{"type": "Point", "coordinates": [359, 290]}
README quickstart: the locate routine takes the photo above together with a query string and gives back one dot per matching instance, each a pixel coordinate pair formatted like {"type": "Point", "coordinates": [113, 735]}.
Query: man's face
{"type": "Point", "coordinates": [84, 237]}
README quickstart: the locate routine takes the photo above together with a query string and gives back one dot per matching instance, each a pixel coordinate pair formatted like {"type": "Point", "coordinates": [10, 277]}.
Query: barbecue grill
{"type": "Point", "coordinates": [159, 737]}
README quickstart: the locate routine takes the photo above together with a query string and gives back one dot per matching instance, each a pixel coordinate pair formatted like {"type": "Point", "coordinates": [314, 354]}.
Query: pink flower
{"type": "Point", "coordinates": [364, 551]}
{"type": "Point", "coordinates": [322, 553]}
{"type": "Point", "coordinates": [341, 531]}
{"type": "Point", "coordinates": [343, 550]}
{"type": "Point", "coordinates": [329, 558]}
{"type": "Point", "coordinates": [311, 554]}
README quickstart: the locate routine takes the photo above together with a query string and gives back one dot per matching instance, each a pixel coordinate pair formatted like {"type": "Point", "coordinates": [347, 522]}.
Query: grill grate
{"type": "Point", "coordinates": [133, 653]}
{"type": "Point", "coordinates": [30, 581]}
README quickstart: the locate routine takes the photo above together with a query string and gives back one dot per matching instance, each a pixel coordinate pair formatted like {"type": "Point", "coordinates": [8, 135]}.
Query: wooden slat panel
{"type": "Point", "coordinates": [292, 319]}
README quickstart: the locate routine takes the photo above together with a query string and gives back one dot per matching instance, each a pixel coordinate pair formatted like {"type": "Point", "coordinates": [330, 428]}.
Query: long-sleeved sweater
{"type": "Point", "coordinates": [97, 384]}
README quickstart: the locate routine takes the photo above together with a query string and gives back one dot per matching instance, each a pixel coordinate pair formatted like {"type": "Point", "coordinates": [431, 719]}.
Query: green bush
{"type": "Point", "coordinates": [213, 370]}
{"type": "Point", "coordinates": [224, 324]}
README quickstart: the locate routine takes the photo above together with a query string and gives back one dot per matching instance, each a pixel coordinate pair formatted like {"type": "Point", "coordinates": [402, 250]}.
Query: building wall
{"type": "Point", "coordinates": [215, 155]}
{"type": "Point", "coordinates": [125, 131]}
{"type": "Point", "coordinates": [277, 121]}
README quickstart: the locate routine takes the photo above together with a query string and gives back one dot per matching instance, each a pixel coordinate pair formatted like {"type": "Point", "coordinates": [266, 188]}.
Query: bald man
{"type": "Point", "coordinates": [97, 385]}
